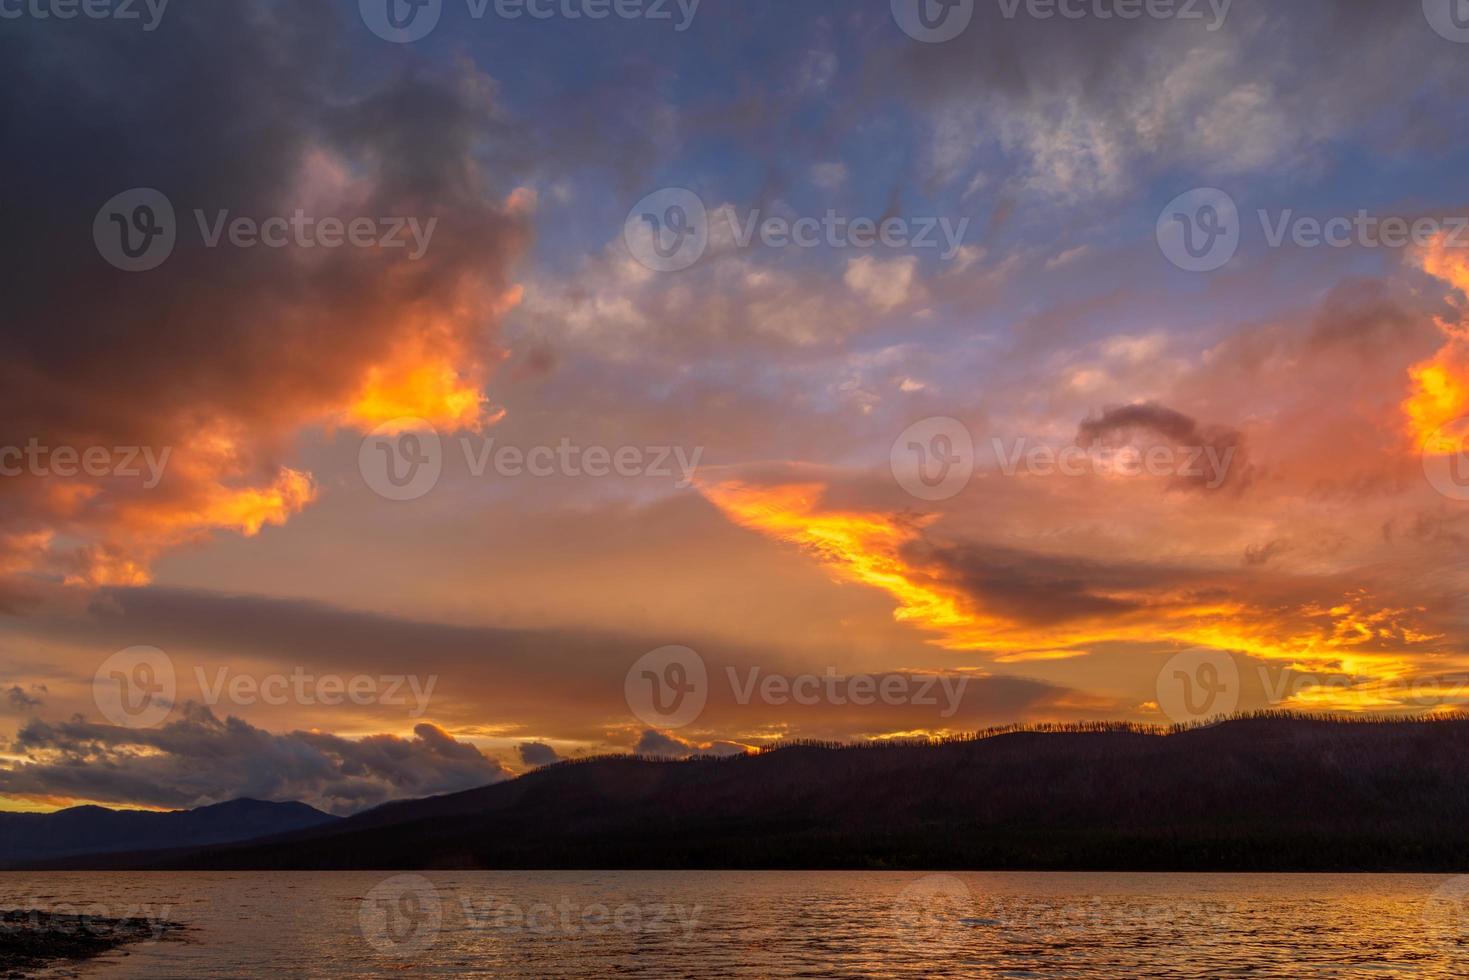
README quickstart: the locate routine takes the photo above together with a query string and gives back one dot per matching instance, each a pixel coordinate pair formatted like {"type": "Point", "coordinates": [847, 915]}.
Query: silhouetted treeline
{"type": "Point", "coordinates": [1267, 792]}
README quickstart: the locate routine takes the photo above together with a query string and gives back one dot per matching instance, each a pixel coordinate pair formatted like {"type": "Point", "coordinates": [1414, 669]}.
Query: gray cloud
{"type": "Point", "coordinates": [668, 746]}
{"type": "Point", "coordinates": [1219, 459]}
{"type": "Point", "coordinates": [20, 700]}
{"type": "Point", "coordinates": [222, 354]}
{"type": "Point", "coordinates": [537, 754]}
{"type": "Point", "coordinates": [1086, 110]}
{"type": "Point", "coordinates": [199, 759]}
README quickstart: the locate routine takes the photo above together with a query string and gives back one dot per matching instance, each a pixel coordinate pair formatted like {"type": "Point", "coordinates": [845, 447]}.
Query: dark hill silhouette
{"type": "Point", "coordinates": [30, 837]}
{"type": "Point", "coordinates": [1263, 793]}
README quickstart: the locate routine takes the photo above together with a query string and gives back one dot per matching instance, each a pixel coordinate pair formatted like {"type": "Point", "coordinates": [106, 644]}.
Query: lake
{"type": "Point", "coordinates": [761, 924]}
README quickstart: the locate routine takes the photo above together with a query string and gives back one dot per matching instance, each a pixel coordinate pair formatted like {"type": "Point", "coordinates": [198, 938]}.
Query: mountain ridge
{"type": "Point", "coordinates": [1261, 793]}
{"type": "Point", "coordinates": [28, 838]}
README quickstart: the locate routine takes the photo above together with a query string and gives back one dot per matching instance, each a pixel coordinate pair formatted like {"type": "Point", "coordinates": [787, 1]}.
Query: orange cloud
{"type": "Point", "coordinates": [224, 357]}
{"type": "Point", "coordinates": [856, 547]}
{"type": "Point", "coordinates": [433, 373]}
{"type": "Point", "coordinates": [1354, 632]}
{"type": "Point", "coordinates": [1441, 384]}
{"type": "Point", "coordinates": [204, 489]}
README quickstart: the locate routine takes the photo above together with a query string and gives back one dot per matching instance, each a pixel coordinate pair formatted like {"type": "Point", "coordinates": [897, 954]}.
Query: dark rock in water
{"type": "Point", "coordinates": [31, 939]}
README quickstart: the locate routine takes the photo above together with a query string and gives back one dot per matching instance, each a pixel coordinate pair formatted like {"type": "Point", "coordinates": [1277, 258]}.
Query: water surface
{"type": "Point", "coordinates": [762, 924]}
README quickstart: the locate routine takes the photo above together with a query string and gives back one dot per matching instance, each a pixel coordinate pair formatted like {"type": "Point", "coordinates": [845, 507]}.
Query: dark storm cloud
{"type": "Point", "coordinates": [199, 759]}
{"type": "Point", "coordinates": [537, 754]}
{"type": "Point", "coordinates": [664, 745]}
{"type": "Point", "coordinates": [221, 353]}
{"type": "Point", "coordinates": [1174, 426]}
{"type": "Point", "coordinates": [1034, 588]}
{"type": "Point", "coordinates": [1216, 456]}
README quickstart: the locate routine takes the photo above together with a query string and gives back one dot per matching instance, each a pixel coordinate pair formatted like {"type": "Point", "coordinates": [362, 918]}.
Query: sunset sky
{"type": "Point", "coordinates": [1313, 525]}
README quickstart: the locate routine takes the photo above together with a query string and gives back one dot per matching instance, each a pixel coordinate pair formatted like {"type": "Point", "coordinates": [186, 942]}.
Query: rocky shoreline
{"type": "Point", "coordinates": [31, 939]}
